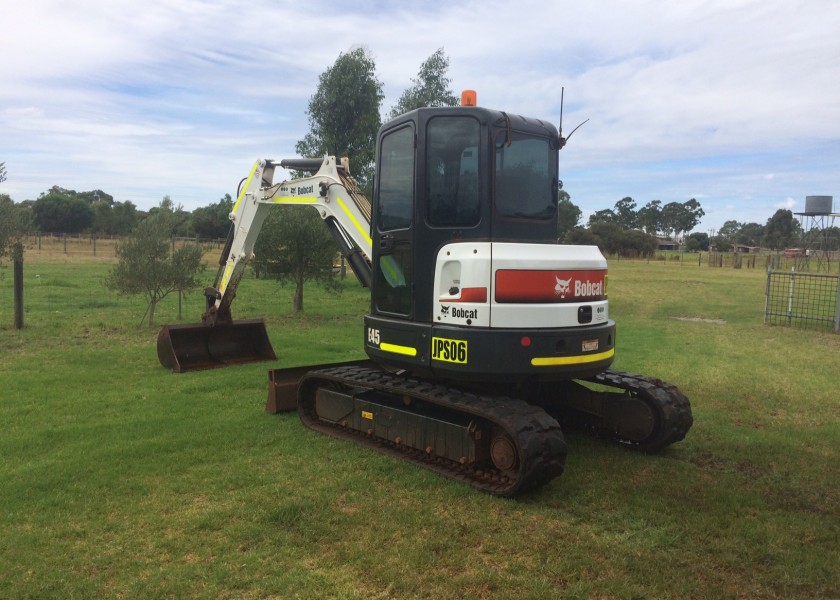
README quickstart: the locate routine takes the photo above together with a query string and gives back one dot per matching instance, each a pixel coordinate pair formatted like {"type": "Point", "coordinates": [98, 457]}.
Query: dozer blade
{"type": "Point", "coordinates": [196, 346]}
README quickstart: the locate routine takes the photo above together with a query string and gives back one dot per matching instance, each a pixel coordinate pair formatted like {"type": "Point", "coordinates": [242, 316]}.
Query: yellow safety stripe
{"type": "Point", "coordinates": [406, 350]}
{"type": "Point", "coordinates": [226, 276]}
{"type": "Point", "coordinates": [551, 361]}
{"type": "Point", "coordinates": [355, 221]}
{"type": "Point", "coordinates": [245, 187]}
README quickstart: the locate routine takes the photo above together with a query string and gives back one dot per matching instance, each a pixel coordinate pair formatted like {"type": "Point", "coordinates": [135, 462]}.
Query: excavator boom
{"type": "Point", "coordinates": [219, 340]}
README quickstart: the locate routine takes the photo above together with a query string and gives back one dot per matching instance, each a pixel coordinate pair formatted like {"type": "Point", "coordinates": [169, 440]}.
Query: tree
{"type": "Point", "coordinates": [680, 217]}
{"type": "Point", "coordinates": [60, 211]}
{"type": "Point", "coordinates": [102, 217]}
{"type": "Point", "coordinates": [176, 217]}
{"type": "Point", "coordinates": [781, 230]}
{"type": "Point", "coordinates": [344, 115]}
{"type": "Point", "coordinates": [721, 243]}
{"type": "Point", "coordinates": [602, 216]}
{"type": "Point", "coordinates": [431, 88]}
{"type": "Point", "coordinates": [94, 196]}
{"type": "Point", "coordinates": [698, 241]}
{"type": "Point", "coordinates": [750, 234]}
{"type": "Point", "coordinates": [636, 243]}
{"type": "Point", "coordinates": [15, 224]}
{"type": "Point", "coordinates": [649, 217]}
{"type": "Point", "coordinates": [124, 218]}
{"type": "Point", "coordinates": [568, 215]}
{"type": "Point", "coordinates": [625, 213]}
{"type": "Point", "coordinates": [580, 236]}
{"type": "Point", "coordinates": [212, 222]}
{"type": "Point", "coordinates": [146, 266]}
{"type": "Point", "coordinates": [729, 230]}
{"type": "Point", "coordinates": [690, 215]}
{"type": "Point", "coordinates": [611, 238]}
{"type": "Point", "coordinates": [295, 245]}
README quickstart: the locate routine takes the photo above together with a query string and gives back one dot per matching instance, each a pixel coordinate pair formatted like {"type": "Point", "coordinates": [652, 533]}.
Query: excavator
{"type": "Point", "coordinates": [484, 333]}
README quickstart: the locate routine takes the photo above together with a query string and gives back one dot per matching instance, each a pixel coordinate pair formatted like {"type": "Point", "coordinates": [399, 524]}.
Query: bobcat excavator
{"type": "Point", "coordinates": [484, 334]}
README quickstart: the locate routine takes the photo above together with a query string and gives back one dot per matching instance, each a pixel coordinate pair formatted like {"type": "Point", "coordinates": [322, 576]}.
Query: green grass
{"type": "Point", "coordinates": [122, 480]}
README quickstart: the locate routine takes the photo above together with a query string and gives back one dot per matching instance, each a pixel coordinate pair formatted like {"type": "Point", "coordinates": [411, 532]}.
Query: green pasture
{"type": "Point", "coordinates": [119, 479]}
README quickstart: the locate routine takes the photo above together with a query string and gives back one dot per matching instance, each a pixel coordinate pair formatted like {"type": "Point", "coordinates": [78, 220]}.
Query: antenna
{"type": "Point", "coordinates": [560, 129]}
{"type": "Point", "coordinates": [563, 140]}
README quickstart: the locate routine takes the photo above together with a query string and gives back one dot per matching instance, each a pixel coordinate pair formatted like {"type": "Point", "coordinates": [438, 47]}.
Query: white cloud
{"type": "Point", "coordinates": [733, 103]}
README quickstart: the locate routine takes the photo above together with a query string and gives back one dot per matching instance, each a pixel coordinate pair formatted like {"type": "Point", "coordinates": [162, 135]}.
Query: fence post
{"type": "Point", "coordinates": [837, 308]}
{"type": "Point", "coordinates": [17, 253]}
{"type": "Point", "coordinates": [767, 294]}
{"type": "Point", "coordinates": [790, 294]}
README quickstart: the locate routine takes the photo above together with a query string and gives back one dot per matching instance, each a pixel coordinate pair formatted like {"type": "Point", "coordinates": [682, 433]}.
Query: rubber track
{"type": "Point", "coordinates": [672, 406]}
{"type": "Point", "coordinates": [538, 438]}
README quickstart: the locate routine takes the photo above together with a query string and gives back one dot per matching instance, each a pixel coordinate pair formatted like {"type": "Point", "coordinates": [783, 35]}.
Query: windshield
{"type": "Point", "coordinates": [524, 181]}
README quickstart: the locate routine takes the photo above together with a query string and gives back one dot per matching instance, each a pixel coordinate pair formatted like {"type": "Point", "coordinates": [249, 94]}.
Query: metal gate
{"type": "Point", "coordinates": [802, 299]}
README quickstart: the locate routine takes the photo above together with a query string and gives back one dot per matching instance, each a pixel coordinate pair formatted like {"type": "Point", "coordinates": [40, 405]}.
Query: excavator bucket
{"type": "Point", "coordinates": [196, 346]}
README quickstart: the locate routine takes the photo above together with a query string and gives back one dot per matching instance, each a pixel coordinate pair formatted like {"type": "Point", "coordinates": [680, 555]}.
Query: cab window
{"type": "Point", "coordinates": [396, 180]}
{"type": "Point", "coordinates": [452, 149]}
{"type": "Point", "coordinates": [524, 183]}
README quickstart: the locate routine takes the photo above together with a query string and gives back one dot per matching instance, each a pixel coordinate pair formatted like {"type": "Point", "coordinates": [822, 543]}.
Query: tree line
{"type": "Point", "coordinates": [627, 231]}
{"type": "Point", "coordinates": [623, 230]}
{"type": "Point", "coordinates": [781, 231]}
{"type": "Point", "coordinates": [61, 210]}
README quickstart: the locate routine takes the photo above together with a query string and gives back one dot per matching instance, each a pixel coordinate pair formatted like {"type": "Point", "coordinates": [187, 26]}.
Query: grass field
{"type": "Point", "coordinates": [119, 479]}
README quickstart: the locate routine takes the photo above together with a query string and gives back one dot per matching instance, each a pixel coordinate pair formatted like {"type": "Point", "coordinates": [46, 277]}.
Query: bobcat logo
{"type": "Point", "coordinates": [444, 310]}
{"type": "Point", "coordinates": [562, 287]}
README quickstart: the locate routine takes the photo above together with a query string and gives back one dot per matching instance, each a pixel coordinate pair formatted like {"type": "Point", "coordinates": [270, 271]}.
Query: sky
{"type": "Point", "coordinates": [733, 102]}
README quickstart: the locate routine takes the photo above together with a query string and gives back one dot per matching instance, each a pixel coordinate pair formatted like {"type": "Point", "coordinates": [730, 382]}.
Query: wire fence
{"type": "Point", "coordinates": [93, 246]}
{"type": "Point", "coordinates": [802, 299]}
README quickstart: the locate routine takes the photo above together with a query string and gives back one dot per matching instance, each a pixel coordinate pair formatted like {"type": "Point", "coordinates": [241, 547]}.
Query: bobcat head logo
{"type": "Point", "coordinates": [444, 310]}
{"type": "Point", "coordinates": [562, 287]}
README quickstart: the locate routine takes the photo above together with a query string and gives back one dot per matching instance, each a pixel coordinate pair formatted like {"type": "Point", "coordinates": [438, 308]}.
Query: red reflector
{"type": "Point", "coordinates": [474, 294]}
{"type": "Point", "coordinates": [525, 341]}
{"type": "Point", "coordinates": [477, 294]}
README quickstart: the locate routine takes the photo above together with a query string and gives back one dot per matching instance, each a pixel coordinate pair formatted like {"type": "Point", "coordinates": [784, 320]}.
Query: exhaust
{"type": "Point", "coordinates": [196, 346]}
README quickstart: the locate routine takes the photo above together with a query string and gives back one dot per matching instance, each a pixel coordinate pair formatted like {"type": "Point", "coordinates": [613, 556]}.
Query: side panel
{"type": "Point", "coordinates": [461, 291]}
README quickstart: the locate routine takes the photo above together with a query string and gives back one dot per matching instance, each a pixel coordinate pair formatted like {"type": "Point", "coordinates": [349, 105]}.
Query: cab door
{"type": "Point", "coordinates": [394, 216]}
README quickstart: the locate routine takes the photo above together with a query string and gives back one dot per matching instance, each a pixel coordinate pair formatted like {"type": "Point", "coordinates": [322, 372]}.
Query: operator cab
{"type": "Point", "coordinates": [455, 174]}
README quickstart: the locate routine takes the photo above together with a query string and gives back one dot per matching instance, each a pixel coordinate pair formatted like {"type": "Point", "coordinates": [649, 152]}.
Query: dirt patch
{"type": "Point", "coordinates": [700, 320]}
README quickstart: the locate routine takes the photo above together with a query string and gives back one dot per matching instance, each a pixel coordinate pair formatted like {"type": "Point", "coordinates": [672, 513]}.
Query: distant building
{"type": "Point", "coordinates": [795, 252]}
{"type": "Point", "coordinates": [744, 249]}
